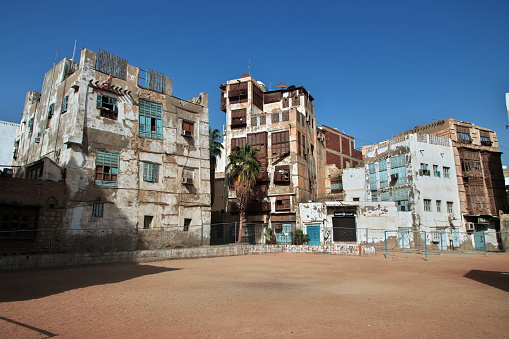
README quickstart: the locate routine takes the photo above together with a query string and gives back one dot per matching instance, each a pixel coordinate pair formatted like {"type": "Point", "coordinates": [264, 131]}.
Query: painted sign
{"type": "Point", "coordinates": [344, 214]}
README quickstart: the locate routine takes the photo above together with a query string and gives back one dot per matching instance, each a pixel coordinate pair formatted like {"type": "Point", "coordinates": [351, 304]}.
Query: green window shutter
{"type": "Point", "coordinates": [159, 129]}
{"type": "Point", "coordinates": [114, 103]}
{"type": "Point", "coordinates": [99, 103]}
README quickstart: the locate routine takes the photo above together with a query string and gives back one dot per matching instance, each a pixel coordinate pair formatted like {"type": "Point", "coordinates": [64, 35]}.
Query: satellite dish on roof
{"type": "Point", "coordinates": [282, 85]}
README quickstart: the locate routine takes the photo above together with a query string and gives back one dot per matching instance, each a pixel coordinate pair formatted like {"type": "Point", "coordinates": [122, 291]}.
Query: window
{"type": "Point", "coordinates": [106, 168]}
{"type": "Point", "coordinates": [280, 143]}
{"type": "Point", "coordinates": [30, 126]}
{"type": "Point", "coordinates": [427, 205]}
{"type": "Point", "coordinates": [187, 176]}
{"type": "Point", "coordinates": [398, 170]}
{"type": "Point", "coordinates": [485, 138]}
{"type": "Point", "coordinates": [450, 207]}
{"type": "Point", "coordinates": [463, 135]}
{"type": "Point", "coordinates": [436, 171]}
{"type": "Point", "coordinates": [97, 209]}
{"type": "Point", "coordinates": [151, 119]}
{"type": "Point", "coordinates": [239, 117]}
{"type": "Point", "coordinates": [424, 169]}
{"type": "Point", "coordinates": [35, 171]}
{"type": "Point", "coordinates": [108, 63]}
{"type": "Point", "coordinates": [150, 172]}
{"type": "Point", "coordinates": [439, 205]}
{"type": "Point", "coordinates": [108, 106]}
{"type": "Point", "coordinates": [336, 185]}
{"type": "Point", "coordinates": [282, 174]}
{"type": "Point", "coordinates": [187, 222]}
{"type": "Point", "coordinates": [382, 168]}
{"type": "Point", "coordinates": [447, 172]}
{"type": "Point", "coordinates": [400, 196]}
{"type": "Point", "coordinates": [238, 92]}
{"type": "Point", "coordinates": [356, 199]}
{"type": "Point", "coordinates": [384, 196]}
{"type": "Point", "coordinates": [282, 203]}
{"type": "Point", "coordinates": [374, 196]}
{"type": "Point", "coordinates": [187, 128]}
{"type": "Point", "coordinates": [65, 103]}
{"type": "Point", "coordinates": [51, 110]}
{"type": "Point", "coordinates": [152, 80]}
{"type": "Point", "coordinates": [147, 221]}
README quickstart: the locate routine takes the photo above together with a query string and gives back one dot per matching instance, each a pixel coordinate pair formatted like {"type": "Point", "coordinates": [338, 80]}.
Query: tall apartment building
{"type": "Point", "coordinates": [7, 137]}
{"type": "Point", "coordinates": [478, 168]}
{"type": "Point", "coordinates": [131, 154]}
{"type": "Point", "coordinates": [281, 125]}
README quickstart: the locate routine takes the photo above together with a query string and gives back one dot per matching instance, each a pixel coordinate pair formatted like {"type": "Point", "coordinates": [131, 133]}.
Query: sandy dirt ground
{"type": "Point", "coordinates": [281, 295]}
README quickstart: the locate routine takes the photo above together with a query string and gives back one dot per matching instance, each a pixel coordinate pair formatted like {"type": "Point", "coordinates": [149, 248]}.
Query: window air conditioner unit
{"type": "Point", "coordinates": [424, 172]}
{"type": "Point", "coordinates": [187, 181]}
{"type": "Point", "coordinates": [470, 226]}
{"type": "Point", "coordinates": [187, 133]}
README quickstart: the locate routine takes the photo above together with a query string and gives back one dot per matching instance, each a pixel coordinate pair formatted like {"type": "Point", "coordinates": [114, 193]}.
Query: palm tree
{"type": "Point", "coordinates": [215, 148]}
{"type": "Point", "coordinates": [243, 167]}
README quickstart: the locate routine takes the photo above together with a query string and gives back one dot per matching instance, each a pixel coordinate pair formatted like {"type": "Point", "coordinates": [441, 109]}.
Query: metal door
{"type": "Point", "coordinates": [344, 229]}
{"type": "Point", "coordinates": [404, 238]}
{"type": "Point", "coordinates": [455, 235]}
{"type": "Point", "coordinates": [443, 240]}
{"type": "Point", "coordinates": [480, 240]}
{"type": "Point", "coordinates": [314, 234]}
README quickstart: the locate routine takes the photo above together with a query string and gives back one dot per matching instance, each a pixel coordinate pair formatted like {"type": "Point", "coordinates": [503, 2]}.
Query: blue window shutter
{"type": "Point", "coordinates": [159, 128]}
{"type": "Point", "coordinates": [99, 103]}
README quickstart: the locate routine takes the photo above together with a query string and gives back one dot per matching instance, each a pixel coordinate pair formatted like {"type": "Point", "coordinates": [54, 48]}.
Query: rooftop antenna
{"type": "Point", "coordinates": [249, 67]}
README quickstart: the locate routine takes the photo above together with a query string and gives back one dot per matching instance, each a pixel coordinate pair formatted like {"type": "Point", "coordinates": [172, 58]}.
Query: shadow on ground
{"type": "Point", "coordinates": [495, 279]}
{"type": "Point", "coordinates": [34, 284]}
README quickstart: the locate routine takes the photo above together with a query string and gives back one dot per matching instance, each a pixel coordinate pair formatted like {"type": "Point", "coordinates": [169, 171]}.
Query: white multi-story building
{"type": "Point", "coordinates": [418, 173]}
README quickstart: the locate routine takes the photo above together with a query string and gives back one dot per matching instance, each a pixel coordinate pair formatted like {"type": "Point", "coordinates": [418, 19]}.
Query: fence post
{"type": "Point", "coordinates": [162, 237]}
{"type": "Point", "coordinates": [425, 246]}
{"type": "Point", "coordinates": [236, 234]}
{"type": "Point", "coordinates": [385, 235]}
{"type": "Point", "coordinates": [367, 229]}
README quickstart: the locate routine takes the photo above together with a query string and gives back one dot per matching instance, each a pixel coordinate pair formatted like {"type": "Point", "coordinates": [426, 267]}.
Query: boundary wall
{"type": "Point", "coordinates": [75, 259]}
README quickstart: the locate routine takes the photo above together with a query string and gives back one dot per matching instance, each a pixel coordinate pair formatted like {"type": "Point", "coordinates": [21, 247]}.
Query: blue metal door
{"type": "Point", "coordinates": [480, 240]}
{"type": "Point", "coordinates": [455, 234]}
{"type": "Point", "coordinates": [443, 240]}
{"type": "Point", "coordinates": [404, 238]}
{"type": "Point", "coordinates": [314, 234]}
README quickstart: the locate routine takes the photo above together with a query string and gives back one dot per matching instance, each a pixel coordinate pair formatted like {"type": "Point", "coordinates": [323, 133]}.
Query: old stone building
{"type": "Point", "coordinates": [281, 125]}
{"type": "Point", "coordinates": [335, 153]}
{"type": "Point", "coordinates": [479, 171]}
{"type": "Point", "coordinates": [132, 155]}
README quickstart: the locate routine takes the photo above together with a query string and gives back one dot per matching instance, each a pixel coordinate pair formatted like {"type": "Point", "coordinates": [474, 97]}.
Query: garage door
{"type": "Point", "coordinates": [344, 229]}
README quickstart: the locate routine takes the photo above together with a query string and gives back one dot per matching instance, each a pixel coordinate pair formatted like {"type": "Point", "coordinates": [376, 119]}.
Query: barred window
{"type": "Point", "coordinates": [97, 209]}
{"type": "Point", "coordinates": [151, 119]}
{"type": "Point", "coordinates": [238, 117]}
{"type": "Point", "coordinates": [447, 173]}
{"type": "Point", "coordinates": [280, 143]}
{"type": "Point", "coordinates": [439, 205]}
{"type": "Point", "coordinates": [106, 168]}
{"type": "Point", "coordinates": [150, 172]}
{"type": "Point", "coordinates": [450, 207]}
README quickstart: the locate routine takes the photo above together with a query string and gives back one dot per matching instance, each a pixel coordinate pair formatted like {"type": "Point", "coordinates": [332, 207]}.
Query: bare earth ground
{"type": "Point", "coordinates": [271, 295]}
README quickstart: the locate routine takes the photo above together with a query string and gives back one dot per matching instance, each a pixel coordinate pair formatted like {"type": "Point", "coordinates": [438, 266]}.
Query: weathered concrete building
{"type": "Point", "coordinates": [132, 155]}
{"type": "Point", "coordinates": [281, 125]}
{"type": "Point", "coordinates": [479, 171]}
{"type": "Point", "coordinates": [417, 172]}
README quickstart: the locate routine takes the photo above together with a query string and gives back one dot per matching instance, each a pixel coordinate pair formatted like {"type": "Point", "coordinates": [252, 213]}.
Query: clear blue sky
{"type": "Point", "coordinates": [376, 68]}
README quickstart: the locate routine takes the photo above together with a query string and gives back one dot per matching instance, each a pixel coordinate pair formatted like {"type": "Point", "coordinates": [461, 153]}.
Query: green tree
{"type": "Point", "coordinates": [215, 148]}
{"type": "Point", "coordinates": [243, 167]}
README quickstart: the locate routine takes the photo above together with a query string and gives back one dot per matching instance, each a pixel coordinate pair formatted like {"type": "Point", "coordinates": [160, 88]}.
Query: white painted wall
{"type": "Point", "coordinates": [354, 184]}
{"type": "Point", "coordinates": [7, 138]}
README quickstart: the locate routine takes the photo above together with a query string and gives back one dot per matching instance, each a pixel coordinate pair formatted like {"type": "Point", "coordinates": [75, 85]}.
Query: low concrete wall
{"type": "Point", "coordinates": [64, 259]}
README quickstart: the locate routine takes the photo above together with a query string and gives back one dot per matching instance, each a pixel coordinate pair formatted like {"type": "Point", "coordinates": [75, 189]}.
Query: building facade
{"type": "Point", "coordinates": [336, 153]}
{"type": "Point", "coordinates": [417, 172]}
{"type": "Point", "coordinates": [281, 125]}
{"type": "Point", "coordinates": [479, 171]}
{"type": "Point", "coordinates": [131, 154]}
